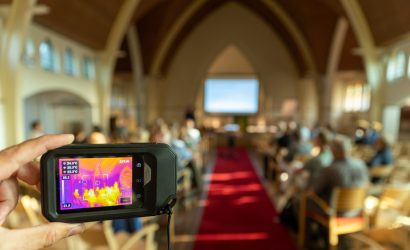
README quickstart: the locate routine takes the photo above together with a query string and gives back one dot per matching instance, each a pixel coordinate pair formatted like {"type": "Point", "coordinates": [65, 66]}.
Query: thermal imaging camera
{"type": "Point", "coordinates": [81, 183]}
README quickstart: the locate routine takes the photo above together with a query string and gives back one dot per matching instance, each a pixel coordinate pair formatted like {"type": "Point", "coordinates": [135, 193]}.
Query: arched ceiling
{"type": "Point", "coordinates": [315, 19]}
{"type": "Point", "coordinates": [89, 21]}
{"type": "Point", "coordinates": [389, 20]}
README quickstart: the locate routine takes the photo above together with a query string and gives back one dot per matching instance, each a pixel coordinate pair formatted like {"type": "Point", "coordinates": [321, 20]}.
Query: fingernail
{"type": "Point", "coordinates": [76, 230]}
{"type": "Point", "coordinates": [70, 138]}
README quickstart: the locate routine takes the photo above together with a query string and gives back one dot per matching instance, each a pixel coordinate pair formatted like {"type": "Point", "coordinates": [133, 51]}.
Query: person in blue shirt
{"type": "Point", "coordinates": [130, 225]}
{"type": "Point", "coordinates": [383, 156]}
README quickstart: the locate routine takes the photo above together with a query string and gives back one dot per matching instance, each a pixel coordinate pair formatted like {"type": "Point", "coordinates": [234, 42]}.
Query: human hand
{"type": "Point", "coordinates": [16, 164]}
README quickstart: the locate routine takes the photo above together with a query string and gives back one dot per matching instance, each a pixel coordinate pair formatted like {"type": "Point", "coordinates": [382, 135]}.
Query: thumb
{"type": "Point", "coordinates": [38, 237]}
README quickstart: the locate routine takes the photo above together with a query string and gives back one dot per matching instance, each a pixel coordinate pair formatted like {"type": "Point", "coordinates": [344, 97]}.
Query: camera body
{"type": "Point", "coordinates": [81, 183]}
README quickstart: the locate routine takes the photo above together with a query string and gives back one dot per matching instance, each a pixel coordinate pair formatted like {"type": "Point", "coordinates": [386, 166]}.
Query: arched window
{"type": "Point", "coordinates": [408, 67]}
{"type": "Point", "coordinates": [391, 65]}
{"type": "Point", "coordinates": [357, 97]}
{"type": "Point", "coordinates": [68, 62]}
{"type": "Point", "coordinates": [29, 57]}
{"type": "Point", "coordinates": [47, 55]}
{"type": "Point", "coordinates": [88, 68]}
{"type": "Point", "coordinates": [400, 65]}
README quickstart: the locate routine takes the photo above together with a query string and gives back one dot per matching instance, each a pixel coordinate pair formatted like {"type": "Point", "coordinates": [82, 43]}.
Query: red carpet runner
{"type": "Point", "coordinates": [238, 213]}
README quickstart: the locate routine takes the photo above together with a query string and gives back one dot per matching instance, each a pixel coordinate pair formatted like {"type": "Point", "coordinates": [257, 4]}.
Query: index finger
{"type": "Point", "coordinates": [12, 158]}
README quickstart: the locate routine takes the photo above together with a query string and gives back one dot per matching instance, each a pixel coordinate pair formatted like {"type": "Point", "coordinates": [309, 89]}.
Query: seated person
{"type": "Point", "coordinates": [362, 136]}
{"type": "Point", "coordinates": [300, 146]}
{"type": "Point", "coordinates": [130, 225]}
{"type": "Point", "coordinates": [285, 140]}
{"type": "Point", "coordinates": [79, 135]}
{"type": "Point", "coordinates": [345, 171]}
{"type": "Point", "coordinates": [325, 157]}
{"type": "Point", "coordinates": [383, 156]}
{"type": "Point", "coordinates": [184, 156]}
{"type": "Point", "coordinates": [96, 136]}
{"type": "Point", "coordinates": [191, 135]}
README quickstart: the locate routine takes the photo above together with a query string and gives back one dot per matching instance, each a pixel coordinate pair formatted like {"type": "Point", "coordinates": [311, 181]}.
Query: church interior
{"type": "Point", "coordinates": [289, 119]}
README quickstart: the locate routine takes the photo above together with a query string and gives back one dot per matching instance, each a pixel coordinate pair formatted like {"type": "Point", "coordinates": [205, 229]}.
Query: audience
{"type": "Point", "coordinates": [79, 135]}
{"type": "Point", "coordinates": [345, 171]}
{"type": "Point", "coordinates": [374, 132]}
{"type": "Point", "coordinates": [285, 140]}
{"type": "Point", "coordinates": [156, 135]}
{"type": "Point", "coordinates": [300, 145]}
{"type": "Point", "coordinates": [97, 138]}
{"type": "Point", "coordinates": [190, 113]}
{"type": "Point", "coordinates": [383, 155]}
{"type": "Point", "coordinates": [184, 155]}
{"type": "Point", "coordinates": [160, 127]}
{"type": "Point", "coordinates": [130, 225]}
{"type": "Point", "coordinates": [362, 136]}
{"type": "Point", "coordinates": [191, 135]}
{"type": "Point", "coordinates": [36, 129]}
{"type": "Point", "coordinates": [325, 157]}
{"type": "Point", "coordinates": [332, 167]}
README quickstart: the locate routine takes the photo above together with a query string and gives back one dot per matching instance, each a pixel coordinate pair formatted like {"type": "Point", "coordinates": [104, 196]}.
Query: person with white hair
{"type": "Point", "coordinates": [345, 171]}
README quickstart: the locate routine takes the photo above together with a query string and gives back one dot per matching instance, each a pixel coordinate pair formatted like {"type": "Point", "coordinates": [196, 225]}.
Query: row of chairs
{"type": "Point", "coordinates": [98, 235]}
{"type": "Point", "coordinates": [353, 200]}
{"type": "Point", "coordinates": [392, 195]}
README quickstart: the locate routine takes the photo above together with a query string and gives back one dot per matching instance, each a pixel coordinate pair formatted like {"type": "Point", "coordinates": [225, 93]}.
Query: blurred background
{"type": "Point", "coordinates": [256, 97]}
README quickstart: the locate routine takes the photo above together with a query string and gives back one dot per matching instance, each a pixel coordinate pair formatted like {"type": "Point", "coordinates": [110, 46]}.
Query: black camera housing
{"type": "Point", "coordinates": [153, 181]}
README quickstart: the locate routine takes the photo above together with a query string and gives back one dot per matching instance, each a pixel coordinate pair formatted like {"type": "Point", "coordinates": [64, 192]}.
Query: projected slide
{"type": "Point", "coordinates": [231, 96]}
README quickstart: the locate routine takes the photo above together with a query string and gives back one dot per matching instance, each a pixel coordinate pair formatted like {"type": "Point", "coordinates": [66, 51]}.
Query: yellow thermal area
{"type": "Point", "coordinates": [107, 196]}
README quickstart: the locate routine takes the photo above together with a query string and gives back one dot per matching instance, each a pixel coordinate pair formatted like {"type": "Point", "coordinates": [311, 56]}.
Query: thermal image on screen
{"type": "Point", "coordinates": [95, 182]}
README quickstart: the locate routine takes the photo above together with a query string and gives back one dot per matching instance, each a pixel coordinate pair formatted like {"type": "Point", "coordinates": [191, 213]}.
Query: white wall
{"type": "Point", "coordinates": [60, 43]}
{"type": "Point", "coordinates": [308, 104]}
{"type": "Point", "coordinates": [231, 61]}
{"type": "Point", "coordinates": [343, 121]}
{"type": "Point", "coordinates": [391, 122]}
{"type": "Point", "coordinates": [397, 92]}
{"type": "Point", "coordinates": [57, 111]}
{"type": "Point", "coordinates": [34, 80]}
{"type": "Point", "coordinates": [231, 24]}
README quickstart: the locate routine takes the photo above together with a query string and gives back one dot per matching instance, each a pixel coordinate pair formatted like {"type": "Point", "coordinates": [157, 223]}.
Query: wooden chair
{"type": "Point", "coordinates": [363, 242]}
{"type": "Point", "coordinates": [382, 172]}
{"type": "Point", "coordinates": [18, 218]}
{"type": "Point", "coordinates": [344, 200]}
{"type": "Point", "coordinates": [392, 198]}
{"type": "Point", "coordinates": [184, 187]}
{"type": "Point", "coordinates": [29, 207]}
{"type": "Point", "coordinates": [102, 237]}
{"type": "Point", "coordinates": [401, 173]}
{"type": "Point", "coordinates": [99, 236]}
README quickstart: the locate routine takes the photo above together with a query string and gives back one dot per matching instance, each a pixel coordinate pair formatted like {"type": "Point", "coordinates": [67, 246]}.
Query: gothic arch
{"type": "Point", "coordinates": [230, 24]}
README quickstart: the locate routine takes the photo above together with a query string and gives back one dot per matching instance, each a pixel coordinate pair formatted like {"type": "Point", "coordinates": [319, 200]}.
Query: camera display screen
{"type": "Point", "coordinates": [89, 183]}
